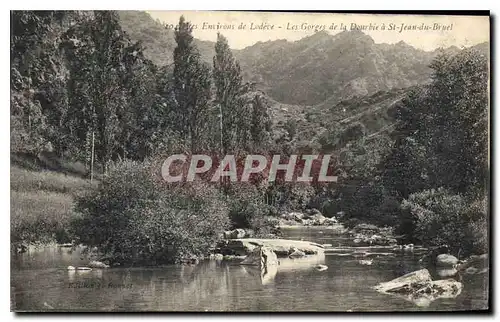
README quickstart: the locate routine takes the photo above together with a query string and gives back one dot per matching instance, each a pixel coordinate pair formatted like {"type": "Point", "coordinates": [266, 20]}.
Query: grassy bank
{"type": "Point", "coordinates": [42, 205]}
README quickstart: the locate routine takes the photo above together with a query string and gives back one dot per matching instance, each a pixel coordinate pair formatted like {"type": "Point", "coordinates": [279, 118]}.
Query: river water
{"type": "Point", "coordinates": [40, 281]}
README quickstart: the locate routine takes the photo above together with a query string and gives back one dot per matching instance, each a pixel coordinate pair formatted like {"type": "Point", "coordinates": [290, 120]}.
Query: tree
{"type": "Point", "coordinates": [442, 132]}
{"type": "Point", "coordinates": [260, 125]}
{"type": "Point", "coordinates": [98, 95]}
{"type": "Point", "coordinates": [191, 86]}
{"type": "Point", "coordinates": [37, 93]}
{"type": "Point", "coordinates": [230, 97]}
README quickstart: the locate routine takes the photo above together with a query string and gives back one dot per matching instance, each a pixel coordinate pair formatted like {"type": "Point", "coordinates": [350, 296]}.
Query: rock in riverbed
{"type": "Point", "coordinates": [281, 247]}
{"type": "Point", "coordinates": [446, 260]}
{"type": "Point", "coordinates": [234, 234]}
{"type": "Point", "coordinates": [295, 253]}
{"type": "Point", "coordinates": [446, 272]}
{"type": "Point", "coordinates": [262, 257]}
{"type": "Point", "coordinates": [374, 240]}
{"type": "Point", "coordinates": [97, 264]}
{"type": "Point", "coordinates": [419, 288]}
{"type": "Point", "coordinates": [479, 262]}
{"type": "Point", "coordinates": [312, 217]}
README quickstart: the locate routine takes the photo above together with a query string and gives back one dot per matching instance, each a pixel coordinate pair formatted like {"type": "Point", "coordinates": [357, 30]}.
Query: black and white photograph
{"type": "Point", "coordinates": [249, 161]}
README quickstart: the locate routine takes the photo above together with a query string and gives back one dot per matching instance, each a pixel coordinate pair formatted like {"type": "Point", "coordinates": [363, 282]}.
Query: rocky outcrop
{"type": "Point", "coordinates": [282, 247]}
{"type": "Point", "coordinates": [419, 288]}
{"type": "Point", "coordinates": [374, 240]}
{"type": "Point", "coordinates": [312, 217]}
{"type": "Point", "coordinates": [264, 259]}
{"type": "Point", "coordinates": [371, 235]}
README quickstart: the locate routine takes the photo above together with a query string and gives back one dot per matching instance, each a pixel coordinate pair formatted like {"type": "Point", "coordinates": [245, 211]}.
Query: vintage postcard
{"type": "Point", "coordinates": [249, 161]}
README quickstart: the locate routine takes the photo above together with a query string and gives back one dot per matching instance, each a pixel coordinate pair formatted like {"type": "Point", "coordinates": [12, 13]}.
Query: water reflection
{"type": "Point", "coordinates": [40, 278]}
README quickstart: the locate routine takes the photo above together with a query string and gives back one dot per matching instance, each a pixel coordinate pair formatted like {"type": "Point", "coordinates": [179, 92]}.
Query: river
{"type": "Point", "coordinates": [41, 282]}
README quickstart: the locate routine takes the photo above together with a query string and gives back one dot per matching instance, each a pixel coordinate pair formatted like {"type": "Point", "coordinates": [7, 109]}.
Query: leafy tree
{"type": "Point", "coordinates": [101, 59]}
{"type": "Point", "coordinates": [230, 97]}
{"type": "Point", "coordinates": [442, 132]}
{"type": "Point", "coordinates": [37, 92]}
{"type": "Point", "coordinates": [191, 87]}
{"type": "Point", "coordinates": [260, 126]}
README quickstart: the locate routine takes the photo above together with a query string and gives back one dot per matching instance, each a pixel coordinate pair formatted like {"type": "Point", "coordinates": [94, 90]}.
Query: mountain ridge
{"type": "Point", "coordinates": [319, 70]}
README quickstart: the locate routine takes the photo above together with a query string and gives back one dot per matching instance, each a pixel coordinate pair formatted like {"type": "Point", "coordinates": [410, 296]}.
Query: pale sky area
{"type": "Point", "coordinates": [460, 31]}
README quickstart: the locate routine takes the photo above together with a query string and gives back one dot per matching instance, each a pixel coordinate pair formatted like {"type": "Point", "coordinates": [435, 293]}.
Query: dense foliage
{"type": "Point", "coordinates": [136, 217]}
{"type": "Point", "coordinates": [440, 142]}
{"type": "Point", "coordinates": [442, 218]}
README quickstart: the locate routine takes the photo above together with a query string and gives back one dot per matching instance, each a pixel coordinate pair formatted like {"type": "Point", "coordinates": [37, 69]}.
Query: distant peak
{"type": "Point", "coordinates": [322, 33]}
{"type": "Point", "coordinates": [354, 35]}
{"type": "Point", "coordinates": [319, 35]}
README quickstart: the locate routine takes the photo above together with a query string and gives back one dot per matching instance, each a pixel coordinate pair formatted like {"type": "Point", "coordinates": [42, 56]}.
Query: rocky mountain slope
{"type": "Point", "coordinates": [159, 42]}
{"type": "Point", "coordinates": [330, 68]}
{"type": "Point", "coordinates": [318, 85]}
{"type": "Point", "coordinates": [321, 69]}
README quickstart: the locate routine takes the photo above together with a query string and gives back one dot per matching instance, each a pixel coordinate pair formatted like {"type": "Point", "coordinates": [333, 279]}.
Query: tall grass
{"type": "Point", "coordinates": [40, 217]}
{"type": "Point", "coordinates": [42, 205]}
{"type": "Point", "coordinates": [33, 181]}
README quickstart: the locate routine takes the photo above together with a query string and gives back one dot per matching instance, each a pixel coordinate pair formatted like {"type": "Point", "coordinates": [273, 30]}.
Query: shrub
{"type": "Point", "coordinates": [136, 218]}
{"type": "Point", "coordinates": [442, 218]}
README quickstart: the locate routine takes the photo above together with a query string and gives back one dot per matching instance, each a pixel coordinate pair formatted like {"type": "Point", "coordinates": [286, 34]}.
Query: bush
{"type": "Point", "coordinates": [442, 218]}
{"type": "Point", "coordinates": [136, 218]}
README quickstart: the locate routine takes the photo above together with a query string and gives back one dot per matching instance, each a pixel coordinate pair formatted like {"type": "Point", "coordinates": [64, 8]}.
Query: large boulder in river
{"type": "Point", "coordinates": [446, 260]}
{"type": "Point", "coordinates": [262, 257]}
{"type": "Point", "coordinates": [421, 276]}
{"type": "Point", "coordinates": [374, 240]}
{"type": "Point", "coordinates": [419, 288]}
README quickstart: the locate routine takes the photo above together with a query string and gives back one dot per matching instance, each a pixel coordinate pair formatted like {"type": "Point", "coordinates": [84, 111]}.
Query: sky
{"type": "Point", "coordinates": [460, 31]}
